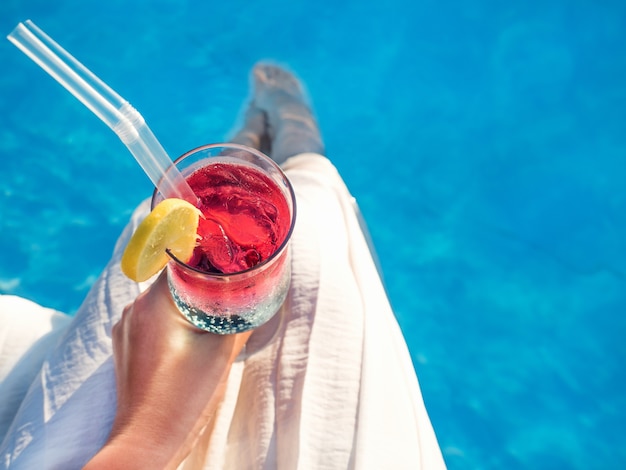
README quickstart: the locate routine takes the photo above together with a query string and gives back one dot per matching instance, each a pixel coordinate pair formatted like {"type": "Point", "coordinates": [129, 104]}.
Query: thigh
{"type": "Point", "coordinates": [28, 332]}
{"type": "Point", "coordinates": [25, 332]}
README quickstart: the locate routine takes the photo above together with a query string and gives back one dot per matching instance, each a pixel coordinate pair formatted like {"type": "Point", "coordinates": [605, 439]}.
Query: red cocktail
{"type": "Point", "coordinates": [240, 271]}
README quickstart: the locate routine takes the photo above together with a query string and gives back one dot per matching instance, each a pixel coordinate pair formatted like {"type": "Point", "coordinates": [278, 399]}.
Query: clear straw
{"type": "Point", "coordinates": [105, 103]}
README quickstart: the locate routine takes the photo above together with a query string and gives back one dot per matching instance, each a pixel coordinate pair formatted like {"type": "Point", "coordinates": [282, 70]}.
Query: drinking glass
{"type": "Point", "coordinates": [240, 301]}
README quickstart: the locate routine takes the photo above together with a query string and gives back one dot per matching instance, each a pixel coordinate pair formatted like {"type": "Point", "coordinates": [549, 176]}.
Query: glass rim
{"type": "Point", "coordinates": [278, 252]}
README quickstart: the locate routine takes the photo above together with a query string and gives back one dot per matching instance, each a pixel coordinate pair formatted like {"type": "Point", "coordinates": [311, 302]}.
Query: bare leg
{"type": "Point", "coordinates": [254, 132]}
{"type": "Point", "coordinates": [290, 122]}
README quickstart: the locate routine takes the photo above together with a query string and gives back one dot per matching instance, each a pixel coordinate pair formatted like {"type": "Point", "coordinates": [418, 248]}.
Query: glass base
{"type": "Point", "coordinates": [229, 323]}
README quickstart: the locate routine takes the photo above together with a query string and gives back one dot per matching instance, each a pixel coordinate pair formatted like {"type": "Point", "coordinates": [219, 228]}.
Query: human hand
{"type": "Point", "coordinates": [170, 379]}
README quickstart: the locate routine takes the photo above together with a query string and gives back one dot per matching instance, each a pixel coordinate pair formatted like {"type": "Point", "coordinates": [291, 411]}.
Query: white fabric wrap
{"type": "Point", "coordinates": [334, 389]}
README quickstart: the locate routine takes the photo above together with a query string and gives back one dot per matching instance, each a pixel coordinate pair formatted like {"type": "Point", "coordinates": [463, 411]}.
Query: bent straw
{"type": "Point", "coordinates": [105, 103]}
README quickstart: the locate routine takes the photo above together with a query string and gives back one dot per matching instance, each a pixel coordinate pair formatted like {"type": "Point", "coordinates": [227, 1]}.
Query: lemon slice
{"type": "Point", "coordinates": [172, 225]}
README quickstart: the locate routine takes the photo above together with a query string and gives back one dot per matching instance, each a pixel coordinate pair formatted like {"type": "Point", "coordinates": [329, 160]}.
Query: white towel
{"type": "Point", "coordinates": [333, 389]}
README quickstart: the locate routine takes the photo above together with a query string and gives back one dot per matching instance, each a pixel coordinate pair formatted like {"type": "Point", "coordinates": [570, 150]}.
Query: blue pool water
{"type": "Point", "coordinates": [484, 140]}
